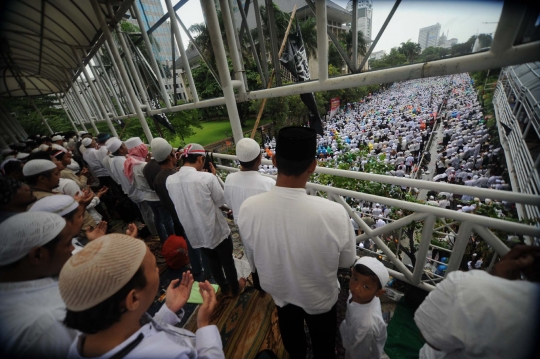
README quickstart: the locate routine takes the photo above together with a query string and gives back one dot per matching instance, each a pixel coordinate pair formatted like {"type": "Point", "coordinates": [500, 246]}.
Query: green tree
{"type": "Point", "coordinates": [347, 38]}
{"type": "Point", "coordinates": [411, 50]}
{"type": "Point", "coordinates": [394, 58]}
{"type": "Point", "coordinates": [433, 53]}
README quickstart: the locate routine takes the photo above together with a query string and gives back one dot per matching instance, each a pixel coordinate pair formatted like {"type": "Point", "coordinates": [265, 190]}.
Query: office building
{"type": "Point", "coordinates": [429, 36]}
{"type": "Point", "coordinates": [365, 17]}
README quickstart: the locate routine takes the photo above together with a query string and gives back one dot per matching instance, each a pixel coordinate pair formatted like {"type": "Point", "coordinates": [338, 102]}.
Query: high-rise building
{"type": "Point", "coordinates": [153, 11]}
{"type": "Point", "coordinates": [429, 36]}
{"type": "Point", "coordinates": [365, 16]}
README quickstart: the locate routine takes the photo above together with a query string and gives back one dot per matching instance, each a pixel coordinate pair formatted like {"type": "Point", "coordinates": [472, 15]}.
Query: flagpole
{"type": "Point", "coordinates": [283, 43]}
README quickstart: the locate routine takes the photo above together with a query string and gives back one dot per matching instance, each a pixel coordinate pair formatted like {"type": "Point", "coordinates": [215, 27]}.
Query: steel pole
{"type": "Point", "coordinates": [3, 143]}
{"type": "Point", "coordinates": [72, 103]}
{"type": "Point", "coordinates": [123, 73]}
{"type": "Point", "coordinates": [180, 44]}
{"type": "Point", "coordinates": [84, 105]}
{"type": "Point", "coordinates": [7, 130]}
{"type": "Point", "coordinates": [223, 68]}
{"type": "Point", "coordinates": [41, 115]}
{"type": "Point", "coordinates": [234, 43]}
{"type": "Point", "coordinates": [153, 62]}
{"type": "Point", "coordinates": [15, 123]}
{"type": "Point", "coordinates": [117, 77]}
{"type": "Point", "coordinates": [109, 84]}
{"type": "Point", "coordinates": [354, 29]}
{"type": "Point", "coordinates": [102, 90]}
{"type": "Point", "coordinates": [6, 118]}
{"type": "Point", "coordinates": [67, 114]}
{"type": "Point", "coordinates": [322, 39]}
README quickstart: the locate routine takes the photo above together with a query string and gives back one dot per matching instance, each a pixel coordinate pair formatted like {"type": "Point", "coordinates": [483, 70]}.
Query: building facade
{"type": "Point", "coordinates": [365, 17]}
{"type": "Point", "coordinates": [429, 36]}
{"type": "Point", "coordinates": [377, 55]}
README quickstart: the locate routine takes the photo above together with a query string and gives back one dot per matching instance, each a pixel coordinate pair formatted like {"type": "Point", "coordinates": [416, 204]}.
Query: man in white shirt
{"type": "Point", "coordinates": [297, 243]}
{"type": "Point", "coordinates": [247, 182]}
{"type": "Point", "coordinates": [480, 315]}
{"type": "Point", "coordinates": [197, 198]}
{"type": "Point", "coordinates": [93, 158]}
{"type": "Point", "coordinates": [34, 247]}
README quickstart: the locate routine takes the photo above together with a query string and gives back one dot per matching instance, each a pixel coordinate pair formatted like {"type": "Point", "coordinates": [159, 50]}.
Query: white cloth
{"type": "Point", "coordinates": [68, 187]}
{"type": "Point", "coordinates": [106, 161]}
{"type": "Point", "coordinates": [363, 331]}
{"type": "Point", "coordinates": [197, 197]}
{"type": "Point", "coordinates": [241, 185]}
{"type": "Point", "coordinates": [93, 158]}
{"type": "Point", "coordinates": [31, 315]}
{"type": "Point", "coordinates": [296, 243]}
{"type": "Point", "coordinates": [117, 173]}
{"type": "Point", "coordinates": [163, 340]}
{"type": "Point", "coordinates": [140, 182]}
{"type": "Point", "coordinates": [476, 315]}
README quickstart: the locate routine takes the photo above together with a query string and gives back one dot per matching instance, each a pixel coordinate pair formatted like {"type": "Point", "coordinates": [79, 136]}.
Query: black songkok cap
{"type": "Point", "coordinates": [296, 143]}
{"type": "Point", "coordinates": [103, 136]}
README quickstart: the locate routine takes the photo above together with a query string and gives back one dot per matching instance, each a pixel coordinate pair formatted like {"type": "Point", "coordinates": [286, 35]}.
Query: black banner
{"type": "Point", "coordinates": [161, 118]}
{"type": "Point", "coordinates": [295, 60]}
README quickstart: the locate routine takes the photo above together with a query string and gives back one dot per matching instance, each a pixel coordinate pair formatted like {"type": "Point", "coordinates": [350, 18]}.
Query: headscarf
{"type": "Point", "coordinates": [135, 156]}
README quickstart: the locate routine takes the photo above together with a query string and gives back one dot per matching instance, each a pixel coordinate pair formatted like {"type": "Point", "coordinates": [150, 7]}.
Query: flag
{"type": "Point", "coordinates": [294, 59]}
{"type": "Point", "coordinates": [161, 118]}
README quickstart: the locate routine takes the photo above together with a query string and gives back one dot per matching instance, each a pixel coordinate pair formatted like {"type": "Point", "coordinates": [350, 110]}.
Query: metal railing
{"type": "Point", "coordinates": [523, 173]}
{"type": "Point", "coordinates": [468, 223]}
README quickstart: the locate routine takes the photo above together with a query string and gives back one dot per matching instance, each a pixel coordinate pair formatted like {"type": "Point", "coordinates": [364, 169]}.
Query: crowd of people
{"type": "Point", "coordinates": [71, 287]}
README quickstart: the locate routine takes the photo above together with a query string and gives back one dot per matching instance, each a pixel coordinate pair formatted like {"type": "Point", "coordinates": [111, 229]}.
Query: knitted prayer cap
{"type": "Point", "coordinates": [59, 204]}
{"type": "Point", "coordinates": [8, 189]}
{"type": "Point", "coordinates": [161, 149]}
{"type": "Point", "coordinates": [296, 143]}
{"type": "Point", "coordinates": [22, 155]}
{"type": "Point", "coordinates": [35, 167]}
{"type": "Point", "coordinates": [133, 142]}
{"type": "Point", "coordinates": [100, 270]}
{"type": "Point", "coordinates": [247, 150]}
{"type": "Point", "coordinates": [113, 144]}
{"type": "Point", "coordinates": [24, 231]}
{"type": "Point", "coordinates": [193, 149]}
{"type": "Point", "coordinates": [376, 267]}
{"type": "Point", "coordinates": [57, 138]}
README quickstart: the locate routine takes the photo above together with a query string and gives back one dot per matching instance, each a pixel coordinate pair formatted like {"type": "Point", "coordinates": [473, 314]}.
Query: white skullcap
{"type": "Point", "coordinates": [247, 150]}
{"type": "Point", "coordinates": [22, 155]}
{"type": "Point", "coordinates": [57, 138]}
{"type": "Point", "coordinates": [74, 166]}
{"type": "Point", "coordinates": [161, 149]}
{"type": "Point", "coordinates": [60, 204]}
{"type": "Point", "coordinates": [35, 167]}
{"type": "Point", "coordinates": [133, 142]}
{"type": "Point", "coordinates": [6, 151]}
{"type": "Point", "coordinates": [487, 201]}
{"type": "Point", "coordinates": [24, 231]}
{"type": "Point", "coordinates": [86, 142]}
{"type": "Point", "coordinates": [35, 150]}
{"type": "Point", "coordinates": [431, 197]}
{"type": "Point", "coordinates": [80, 133]}
{"type": "Point", "coordinates": [376, 267]}
{"type": "Point", "coordinates": [100, 270]}
{"type": "Point", "coordinates": [58, 147]}
{"type": "Point", "coordinates": [43, 147]}
{"type": "Point", "coordinates": [113, 144]}
{"type": "Point", "coordinates": [476, 199]}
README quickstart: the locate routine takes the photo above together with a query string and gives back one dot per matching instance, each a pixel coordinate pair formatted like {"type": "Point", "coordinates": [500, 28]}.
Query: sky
{"type": "Point", "coordinates": [461, 18]}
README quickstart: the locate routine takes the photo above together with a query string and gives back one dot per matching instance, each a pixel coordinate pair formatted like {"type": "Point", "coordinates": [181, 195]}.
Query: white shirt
{"type": "Point", "coordinates": [117, 172]}
{"type": "Point", "coordinates": [163, 340]}
{"type": "Point", "coordinates": [476, 315]}
{"type": "Point", "coordinates": [296, 243]}
{"type": "Point", "coordinates": [197, 197]}
{"type": "Point", "coordinates": [140, 182]}
{"type": "Point", "coordinates": [31, 315]}
{"type": "Point", "coordinates": [243, 184]}
{"type": "Point", "coordinates": [363, 331]}
{"type": "Point", "coordinates": [93, 158]}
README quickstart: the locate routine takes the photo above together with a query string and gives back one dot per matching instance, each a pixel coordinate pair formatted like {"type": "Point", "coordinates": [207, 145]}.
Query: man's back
{"type": "Point", "coordinates": [197, 197]}
{"type": "Point", "coordinates": [297, 243]}
{"type": "Point", "coordinates": [241, 185]}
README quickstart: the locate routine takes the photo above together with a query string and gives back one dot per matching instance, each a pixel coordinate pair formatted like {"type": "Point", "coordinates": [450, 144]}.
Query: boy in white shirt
{"type": "Point", "coordinates": [363, 331]}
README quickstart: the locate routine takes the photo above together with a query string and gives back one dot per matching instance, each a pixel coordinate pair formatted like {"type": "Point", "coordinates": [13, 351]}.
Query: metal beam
{"type": "Point", "coordinates": [180, 43]}
{"type": "Point", "coordinates": [251, 43]}
{"type": "Point", "coordinates": [381, 31]}
{"type": "Point", "coordinates": [223, 68]}
{"type": "Point", "coordinates": [354, 29]}
{"type": "Point", "coordinates": [40, 115]}
{"type": "Point", "coordinates": [262, 45]}
{"type": "Point", "coordinates": [271, 24]}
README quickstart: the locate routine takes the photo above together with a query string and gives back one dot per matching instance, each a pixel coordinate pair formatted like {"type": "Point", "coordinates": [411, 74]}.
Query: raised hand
{"type": "Point", "coordinates": [132, 230]}
{"type": "Point", "coordinates": [85, 197]}
{"type": "Point", "coordinates": [209, 304]}
{"type": "Point", "coordinates": [212, 168]}
{"type": "Point", "coordinates": [84, 172]}
{"type": "Point", "coordinates": [178, 294]}
{"type": "Point", "coordinates": [97, 232]}
{"type": "Point", "coordinates": [102, 191]}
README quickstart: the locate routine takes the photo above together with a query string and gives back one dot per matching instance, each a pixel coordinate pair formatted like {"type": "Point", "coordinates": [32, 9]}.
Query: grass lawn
{"type": "Point", "coordinates": [214, 131]}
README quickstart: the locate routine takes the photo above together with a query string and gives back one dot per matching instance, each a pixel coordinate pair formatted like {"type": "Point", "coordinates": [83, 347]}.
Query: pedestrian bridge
{"type": "Point", "coordinates": [431, 222]}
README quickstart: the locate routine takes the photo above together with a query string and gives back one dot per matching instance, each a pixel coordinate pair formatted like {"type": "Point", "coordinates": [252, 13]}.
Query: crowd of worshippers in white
{"type": "Point", "coordinates": [91, 301]}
